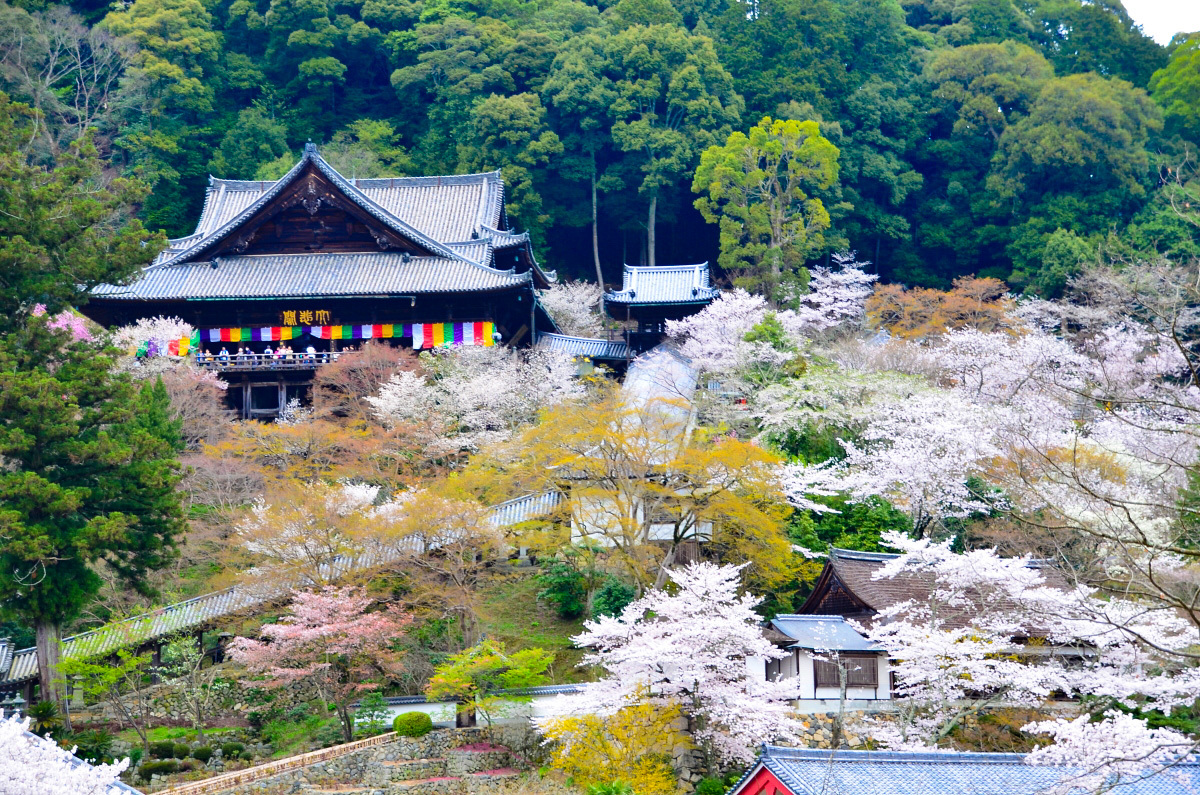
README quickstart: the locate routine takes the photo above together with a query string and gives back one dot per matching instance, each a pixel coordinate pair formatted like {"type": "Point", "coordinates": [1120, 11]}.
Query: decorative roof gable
{"type": "Point", "coordinates": [311, 186]}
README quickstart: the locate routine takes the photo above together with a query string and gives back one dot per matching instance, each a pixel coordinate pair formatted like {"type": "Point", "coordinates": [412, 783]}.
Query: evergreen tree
{"type": "Point", "coordinates": [89, 481]}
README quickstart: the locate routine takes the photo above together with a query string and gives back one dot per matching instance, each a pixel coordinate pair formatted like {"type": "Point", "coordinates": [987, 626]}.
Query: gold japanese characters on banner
{"type": "Point", "coordinates": [305, 317]}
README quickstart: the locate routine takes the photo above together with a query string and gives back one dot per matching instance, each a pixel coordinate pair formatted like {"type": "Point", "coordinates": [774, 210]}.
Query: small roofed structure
{"type": "Point", "coordinates": [805, 771]}
{"type": "Point", "coordinates": [611, 353]}
{"type": "Point", "coordinates": [823, 649]}
{"type": "Point", "coordinates": [653, 295]}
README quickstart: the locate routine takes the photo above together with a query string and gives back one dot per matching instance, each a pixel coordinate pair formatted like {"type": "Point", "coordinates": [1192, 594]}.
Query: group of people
{"type": "Point", "coordinates": [244, 355]}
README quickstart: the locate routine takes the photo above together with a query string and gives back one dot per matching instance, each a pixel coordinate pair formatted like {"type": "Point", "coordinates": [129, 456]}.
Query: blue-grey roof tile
{"type": "Point", "coordinates": [827, 633]}
{"type": "Point", "coordinates": [665, 284]}
{"type": "Point", "coordinates": [822, 772]}
{"type": "Point", "coordinates": [585, 346]}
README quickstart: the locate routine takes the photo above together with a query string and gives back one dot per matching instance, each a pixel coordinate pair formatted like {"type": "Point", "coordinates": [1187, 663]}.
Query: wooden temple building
{"type": "Point", "coordinates": [317, 262]}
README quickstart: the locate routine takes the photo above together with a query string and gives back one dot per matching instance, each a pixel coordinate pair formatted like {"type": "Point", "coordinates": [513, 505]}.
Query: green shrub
{"type": "Point", "coordinates": [150, 768]}
{"type": "Point", "coordinates": [181, 751]}
{"type": "Point", "coordinates": [710, 786]}
{"type": "Point", "coordinates": [162, 750]}
{"type": "Point", "coordinates": [202, 752]}
{"type": "Point", "coordinates": [564, 587]}
{"type": "Point", "coordinates": [298, 713]}
{"type": "Point", "coordinates": [412, 724]}
{"type": "Point", "coordinates": [330, 733]}
{"type": "Point", "coordinates": [371, 716]}
{"type": "Point", "coordinates": [232, 750]}
{"type": "Point", "coordinates": [94, 745]}
{"type": "Point", "coordinates": [614, 787]}
{"type": "Point", "coordinates": [612, 597]}
{"type": "Point", "coordinates": [188, 764]}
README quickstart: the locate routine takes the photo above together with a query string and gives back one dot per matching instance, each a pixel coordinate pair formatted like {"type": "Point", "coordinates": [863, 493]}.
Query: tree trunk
{"type": "Point", "coordinates": [347, 720]}
{"type": "Point", "coordinates": [596, 239]}
{"type": "Point", "coordinates": [650, 230]}
{"type": "Point", "coordinates": [667, 562]}
{"type": "Point", "coordinates": [48, 677]}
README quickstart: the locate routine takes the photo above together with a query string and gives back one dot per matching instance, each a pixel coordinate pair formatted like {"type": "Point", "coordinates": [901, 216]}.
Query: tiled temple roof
{"type": "Point", "coordinates": [665, 284]}
{"type": "Point", "coordinates": [590, 347]}
{"type": "Point", "coordinates": [806, 771]}
{"type": "Point", "coordinates": [458, 220]}
{"type": "Point", "coordinates": [326, 275]}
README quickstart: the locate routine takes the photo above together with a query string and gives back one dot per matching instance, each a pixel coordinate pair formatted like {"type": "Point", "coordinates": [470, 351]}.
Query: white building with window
{"type": "Point", "coordinates": [823, 650]}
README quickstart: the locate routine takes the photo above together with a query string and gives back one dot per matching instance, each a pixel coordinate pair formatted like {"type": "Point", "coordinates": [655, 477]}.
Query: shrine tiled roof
{"type": "Point", "coordinates": [590, 347]}
{"type": "Point", "coordinates": [854, 571]}
{"type": "Point", "coordinates": [828, 633]}
{"type": "Point", "coordinates": [440, 214]}
{"type": "Point", "coordinates": [307, 275]}
{"type": "Point", "coordinates": [447, 208]}
{"type": "Point", "coordinates": [665, 284]}
{"type": "Point", "coordinates": [811, 771]}
{"type": "Point", "coordinates": [219, 221]}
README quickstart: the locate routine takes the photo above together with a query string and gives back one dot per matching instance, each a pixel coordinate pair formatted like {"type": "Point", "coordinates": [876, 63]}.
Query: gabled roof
{"type": "Point", "coordinates": [847, 585]}
{"type": "Point", "coordinates": [665, 284]}
{"type": "Point", "coordinates": [807, 771]}
{"type": "Point", "coordinates": [310, 275]}
{"type": "Point", "coordinates": [231, 209]}
{"type": "Point", "coordinates": [438, 214]}
{"type": "Point", "coordinates": [590, 347]}
{"type": "Point", "coordinates": [824, 633]}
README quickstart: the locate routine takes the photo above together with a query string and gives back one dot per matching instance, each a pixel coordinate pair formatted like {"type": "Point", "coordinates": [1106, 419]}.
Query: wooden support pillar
{"type": "Point", "coordinates": [155, 663]}
{"type": "Point", "coordinates": [282, 395]}
{"type": "Point", "coordinates": [246, 393]}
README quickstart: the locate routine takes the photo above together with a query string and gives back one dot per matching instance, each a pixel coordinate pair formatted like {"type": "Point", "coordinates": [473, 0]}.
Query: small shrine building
{"type": "Point", "coordinates": [652, 295]}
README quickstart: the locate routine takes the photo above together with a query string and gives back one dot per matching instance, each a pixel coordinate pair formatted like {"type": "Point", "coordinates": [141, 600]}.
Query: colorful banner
{"type": "Point", "coordinates": [423, 335]}
{"type": "Point", "coordinates": [265, 334]}
{"type": "Point", "coordinates": [448, 335]}
{"type": "Point", "coordinates": [180, 347]}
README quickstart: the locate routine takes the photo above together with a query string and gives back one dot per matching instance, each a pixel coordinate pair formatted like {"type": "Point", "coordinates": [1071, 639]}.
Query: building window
{"type": "Point", "coordinates": [774, 669]}
{"type": "Point", "coordinates": [861, 671]}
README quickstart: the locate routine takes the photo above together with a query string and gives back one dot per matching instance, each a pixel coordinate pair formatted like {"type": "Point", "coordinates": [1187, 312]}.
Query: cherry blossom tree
{"type": "Point", "coordinates": [34, 765]}
{"type": "Point", "coordinates": [690, 649]}
{"type": "Point", "coordinates": [331, 642]}
{"type": "Point", "coordinates": [301, 531]}
{"type": "Point", "coordinates": [67, 320]}
{"type": "Point", "coordinates": [837, 296]}
{"type": "Point", "coordinates": [958, 650]}
{"type": "Point", "coordinates": [475, 396]}
{"type": "Point", "coordinates": [575, 307]}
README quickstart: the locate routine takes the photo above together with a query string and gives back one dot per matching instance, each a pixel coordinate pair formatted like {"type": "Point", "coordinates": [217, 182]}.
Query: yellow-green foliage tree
{"type": "Point", "coordinates": [634, 745]}
{"type": "Point", "coordinates": [642, 484]}
{"type": "Point", "coordinates": [477, 678]}
{"type": "Point", "coordinates": [762, 189]}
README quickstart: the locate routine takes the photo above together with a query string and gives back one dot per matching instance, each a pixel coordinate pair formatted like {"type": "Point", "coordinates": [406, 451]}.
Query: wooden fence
{"type": "Point", "coordinates": [226, 781]}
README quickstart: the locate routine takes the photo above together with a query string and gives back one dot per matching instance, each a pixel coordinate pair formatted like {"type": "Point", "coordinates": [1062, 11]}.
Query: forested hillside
{"type": "Point", "coordinates": [1013, 140]}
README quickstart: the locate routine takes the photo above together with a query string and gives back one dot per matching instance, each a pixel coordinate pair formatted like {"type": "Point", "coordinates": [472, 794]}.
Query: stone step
{"type": "Point", "coordinates": [486, 781]}
{"type": "Point", "coordinates": [404, 770]}
{"type": "Point", "coordinates": [436, 785]}
{"type": "Point", "coordinates": [475, 758]}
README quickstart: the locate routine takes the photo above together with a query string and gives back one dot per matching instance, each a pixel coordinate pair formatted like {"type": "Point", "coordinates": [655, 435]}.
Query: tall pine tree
{"type": "Point", "coordinates": [89, 481]}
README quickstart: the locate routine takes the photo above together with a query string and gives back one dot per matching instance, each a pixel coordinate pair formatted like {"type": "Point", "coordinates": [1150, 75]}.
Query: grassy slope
{"type": "Point", "coordinates": [513, 615]}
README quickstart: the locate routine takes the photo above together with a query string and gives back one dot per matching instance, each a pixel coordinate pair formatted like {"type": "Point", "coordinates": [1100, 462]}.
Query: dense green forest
{"type": "Point", "coordinates": [1011, 138]}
